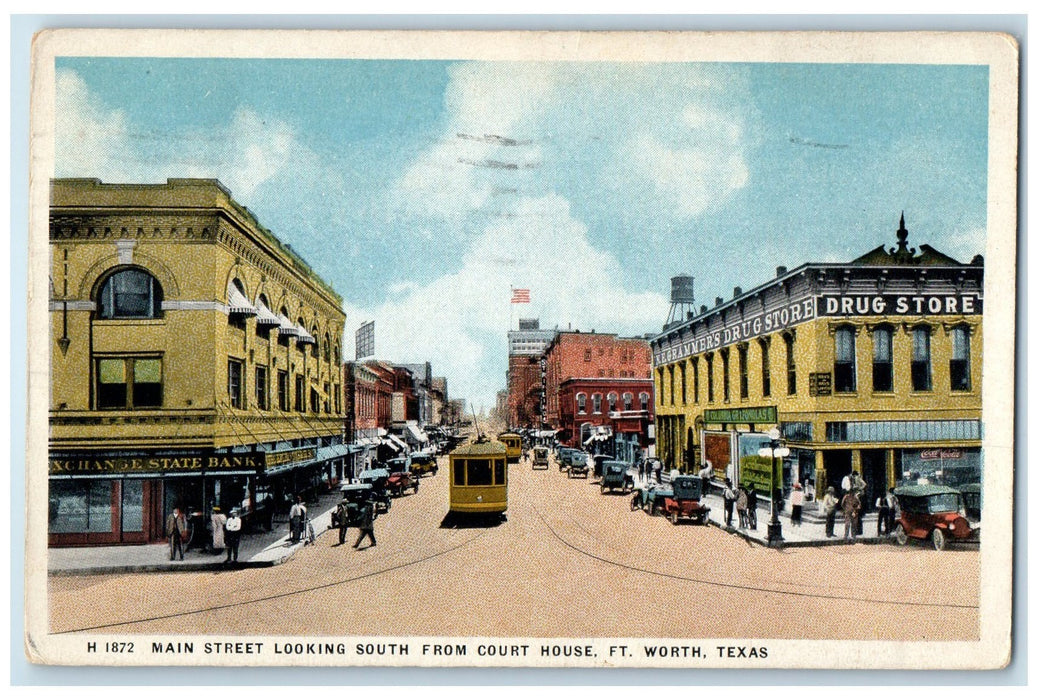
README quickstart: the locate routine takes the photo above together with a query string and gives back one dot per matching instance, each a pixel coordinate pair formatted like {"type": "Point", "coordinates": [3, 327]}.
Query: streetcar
{"type": "Point", "coordinates": [478, 478]}
{"type": "Point", "coordinates": [513, 443]}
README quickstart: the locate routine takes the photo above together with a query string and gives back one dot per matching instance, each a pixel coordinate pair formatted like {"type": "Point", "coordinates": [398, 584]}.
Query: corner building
{"type": "Point", "coordinates": [195, 362]}
{"type": "Point", "coordinates": [872, 366]}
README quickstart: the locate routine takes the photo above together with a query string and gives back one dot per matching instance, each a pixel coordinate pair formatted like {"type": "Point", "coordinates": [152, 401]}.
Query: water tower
{"type": "Point", "coordinates": [682, 300]}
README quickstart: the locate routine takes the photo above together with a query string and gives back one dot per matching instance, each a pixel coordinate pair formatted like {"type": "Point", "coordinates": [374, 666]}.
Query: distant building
{"type": "Point", "coordinates": [872, 366]}
{"type": "Point", "coordinates": [526, 348]}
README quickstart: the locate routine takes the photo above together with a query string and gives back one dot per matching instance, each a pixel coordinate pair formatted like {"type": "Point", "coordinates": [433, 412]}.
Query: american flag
{"type": "Point", "coordinates": [520, 296]}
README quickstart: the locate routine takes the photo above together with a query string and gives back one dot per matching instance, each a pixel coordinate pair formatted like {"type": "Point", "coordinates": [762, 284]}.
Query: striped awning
{"type": "Point", "coordinates": [266, 317]}
{"type": "Point", "coordinates": [304, 337]}
{"type": "Point", "coordinates": [238, 303]}
{"type": "Point", "coordinates": [287, 327]}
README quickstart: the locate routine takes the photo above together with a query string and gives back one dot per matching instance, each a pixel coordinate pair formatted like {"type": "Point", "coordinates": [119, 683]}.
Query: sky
{"type": "Point", "coordinates": [424, 190]}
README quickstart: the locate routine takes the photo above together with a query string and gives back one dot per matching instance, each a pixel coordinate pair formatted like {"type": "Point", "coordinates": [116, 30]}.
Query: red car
{"type": "Point", "coordinates": [934, 513]}
{"type": "Point", "coordinates": [686, 500]}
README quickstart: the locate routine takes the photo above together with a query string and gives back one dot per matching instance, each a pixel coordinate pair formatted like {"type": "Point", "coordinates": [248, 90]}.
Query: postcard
{"type": "Point", "coordinates": [522, 349]}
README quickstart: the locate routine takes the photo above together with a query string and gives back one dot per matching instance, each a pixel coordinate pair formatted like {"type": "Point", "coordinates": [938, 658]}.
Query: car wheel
{"type": "Point", "coordinates": [673, 517]}
{"type": "Point", "coordinates": [900, 536]}
{"type": "Point", "coordinates": [940, 539]}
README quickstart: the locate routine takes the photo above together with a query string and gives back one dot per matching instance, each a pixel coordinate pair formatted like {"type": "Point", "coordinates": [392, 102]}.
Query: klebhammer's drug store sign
{"type": "Point", "coordinates": [738, 326]}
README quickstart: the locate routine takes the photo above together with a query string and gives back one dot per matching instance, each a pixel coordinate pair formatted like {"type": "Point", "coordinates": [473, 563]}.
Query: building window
{"type": "Point", "coordinates": [235, 383]}
{"type": "Point", "coordinates": [611, 399]}
{"type": "Point", "coordinates": [581, 403]}
{"type": "Point", "coordinates": [596, 402]}
{"type": "Point", "coordinates": [327, 348]}
{"type": "Point", "coordinates": [82, 505]}
{"type": "Point", "coordinates": [326, 403]}
{"type": "Point", "coordinates": [338, 398]}
{"type": "Point", "coordinates": [643, 400]}
{"type": "Point", "coordinates": [261, 388]}
{"type": "Point", "coordinates": [129, 382]}
{"type": "Point", "coordinates": [959, 367]}
{"type": "Point", "coordinates": [844, 373]}
{"type": "Point", "coordinates": [725, 379]}
{"type": "Point", "coordinates": [684, 384]}
{"type": "Point", "coordinates": [744, 372]}
{"type": "Point", "coordinates": [921, 377]}
{"type": "Point", "coordinates": [882, 359]}
{"type": "Point", "coordinates": [791, 365]}
{"type": "Point", "coordinates": [628, 401]}
{"type": "Point", "coordinates": [695, 379]}
{"type": "Point", "coordinates": [710, 378]}
{"type": "Point", "coordinates": [130, 293]}
{"type": "Point", "coordinates": [300, 402]}
{"type": "Point", "coordinates": [670, 377]}
{"type": "Point", "coordinates": [765, 366]}
{"type": "Point", "coordinates": [315, 404]}
{"type": "Point", "coordinates": [587, 355]}
{"type": "Point", "coordinates": [283, 390]}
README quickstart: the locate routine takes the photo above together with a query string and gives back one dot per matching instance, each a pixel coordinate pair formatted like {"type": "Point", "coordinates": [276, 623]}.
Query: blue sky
{"type": "Point", "coordinates": [423, 190]}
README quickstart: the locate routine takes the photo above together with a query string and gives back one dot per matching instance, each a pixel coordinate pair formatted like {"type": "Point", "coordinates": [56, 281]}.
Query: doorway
{"type": "Point", "coordinates": [874, 471]}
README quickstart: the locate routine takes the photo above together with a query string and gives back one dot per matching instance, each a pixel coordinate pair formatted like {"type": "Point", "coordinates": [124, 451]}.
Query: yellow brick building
{"type": "Point", "coordinates": [195, 361]}
{"type": "Point", "coordinates": [873, 366]}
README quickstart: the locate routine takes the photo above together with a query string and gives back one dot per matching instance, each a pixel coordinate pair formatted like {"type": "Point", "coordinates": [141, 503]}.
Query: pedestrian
{"type": "Point", "coordinates": [851, 506]}
{"type": "Point", "coordinates": [829, 506]}
{"type": "Point", "coordinates": [741, 502]}
{"type": "Point", "coordinates": [176, 528]}
{"type": "Point", "coordinates": [882, 519]}
{"type": "Point", "coordinates": [342, 518]}
{"type": "Point", "coordinates": [217, 521]}
{"type": "Point", "coordinates": [751, 506]}
{"type": "Point", "coordinates": [729, 503]}
{"type": "Point", "coordinates": [706, 474]}
{"type": "Point", "coordinates": [233, 532]}
{"type": "Point", "coordinates": [892, 513]}
{"type": "Point", "coordinates": [797, 503]}
{"type": "Point", "coordinates": [296, 518]}
{"type": "Point", "coordinates": [366, 523]}
{"type": "Point", "coordinates": [860, 488]}
{"type": "Point", "coordinates": [659, 470]}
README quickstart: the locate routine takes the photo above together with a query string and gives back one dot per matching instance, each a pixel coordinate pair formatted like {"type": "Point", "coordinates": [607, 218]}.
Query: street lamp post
{"type": "Point", "coordinates": [773, 450]}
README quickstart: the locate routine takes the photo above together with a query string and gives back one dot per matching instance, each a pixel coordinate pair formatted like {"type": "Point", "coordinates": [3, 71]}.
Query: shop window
{"type": "Point", "coordinates": [596, 403]}
{"type": "Point", "coordinates": [710, 377]}
{"type": "Point", "coordinates": [844, 371]}
{"type": "Point", "coordinates": [791, 365]}
{"type": "Point", "coordinates": [130, 293]}
{"type": "Point", "coordinates": [882, 359]}
{"type": "Point", "coordinates": [235, 383]}
{"type": "Point", "coordinates": [132, 507]}
{"type": "Point", "coordinates": [765, 366]}
{"type": "Point", "coordinates": [283, 391]}
{"type": "Point", "coordinates": [628, 401]}
{"type": "Point", "coordinates": [581, 403]}
{"type": "Point", "coordinates": [744, 372]}
{"type": "Point", "coordinates": [725, 379]}
{"type": "Point", "coordinates": [300, 399]}
{"type": "Point", "coordinates": [959, 366]}
{"type": "Point", "coordinates": [129, 382]}
{"type": "Point", "coordinates": [83, 505]}
{"type": "Point", "coordinates": [921, 375]}
{"type": "Point", "coordinates": [261, 388]}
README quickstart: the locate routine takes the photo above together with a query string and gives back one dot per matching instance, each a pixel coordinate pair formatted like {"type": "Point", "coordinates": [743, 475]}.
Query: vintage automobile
{"type": "Point", "coordinates": [576, 464]}
{"type": "Point", "coordinates": [400, 477]}
{"type": "Point", "coordinates": [379, 480]}
{"type": "Point", "coordinates": [932, 512]}
{"type": "Point", "coordinates": [562, 457]}
{"type": "Point", "coordinates": [423, 463]}
{"type": "Point", "coordinates": [615, 476]}
{"type": "Point", "coordinates": [971, 499]}
{"type": "Point", "coordinates": [650, 497]}
{"type": "Point", "coordinates": [540, 457]}
{"type": "Point", "coordinates": [686, 500]}
{"type": "Point", "coordinates": [353, 496]}
{"type": "Point", "coordinates": [599, 461]}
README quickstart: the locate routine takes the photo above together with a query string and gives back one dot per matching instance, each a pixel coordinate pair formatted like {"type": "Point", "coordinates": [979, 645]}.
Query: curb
{"type": "Point", "coordinates": [786, 544]}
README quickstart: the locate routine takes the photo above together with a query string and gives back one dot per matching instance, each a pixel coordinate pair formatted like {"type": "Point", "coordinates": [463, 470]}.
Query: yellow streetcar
{"type": "Point", "coordinates": [513, 446]}
{"type": "Point", "coordinates": [479, 479]}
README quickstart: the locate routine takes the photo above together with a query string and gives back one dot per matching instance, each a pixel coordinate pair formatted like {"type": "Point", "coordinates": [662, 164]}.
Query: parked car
{"type": "Point", "coordinates": [577, 464]}
{"type": "Point", "coordinates": [562, 457]}
{"type": "Point", "coordinates": [615, 476]}
{"type": "Point", "coordinates": [599, 461]}
{"type": "Point", "coordinates": [934, 513]}
{"type": "Point", "coordinates": [379, 480]}
{"type": "Point", "coordinates": [972, 500]}
{"type": "Point", "coordinates": [423, 463]}
{"type": "Point", "coordinates": [400, 477]}
{"type": "Point", "coordinates": [540, 457]}
{"type": "Point", "coordinates": [686, 500]}
{"type": "Point", "coordinates": [650, 498]}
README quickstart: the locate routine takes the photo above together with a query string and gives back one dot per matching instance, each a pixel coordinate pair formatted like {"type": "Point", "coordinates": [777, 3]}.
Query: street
{"type": "Point", "coordinates": [569, 561]}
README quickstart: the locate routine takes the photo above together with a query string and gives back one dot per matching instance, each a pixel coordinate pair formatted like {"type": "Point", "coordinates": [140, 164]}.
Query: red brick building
{"type": "Point", "coordinates": [593, 356]}
{"type": "Point", "coordinates": [623, 405]}
{"type": "Point", "coordinates": [369, 395]}
{"type": "Point", "coordinates": [524, 391]}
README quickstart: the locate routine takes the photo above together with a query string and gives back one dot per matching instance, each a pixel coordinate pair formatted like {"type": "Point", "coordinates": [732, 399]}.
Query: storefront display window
{"type": "Point", "coordinates": [132, 509]}
{"type": "Point", "coordinates": [80, 506]}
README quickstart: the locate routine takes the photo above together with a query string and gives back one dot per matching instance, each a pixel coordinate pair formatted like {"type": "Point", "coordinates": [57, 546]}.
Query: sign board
{"type": "Point", "coordinates": [84, 464]}
{"type": "Point", "coordinates": [900, 304]}
{"type": "Point", "coordinates": [755, 414]}
{"type": "Point", "coordinates": [820, 383]}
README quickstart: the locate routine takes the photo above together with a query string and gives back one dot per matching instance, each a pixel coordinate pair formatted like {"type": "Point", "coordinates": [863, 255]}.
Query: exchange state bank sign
{"type": "Point", "coordinates": [207, 461]}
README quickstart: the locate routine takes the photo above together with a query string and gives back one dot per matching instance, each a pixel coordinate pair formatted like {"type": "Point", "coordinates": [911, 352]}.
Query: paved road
{"type": "Point", "coordinates": [568, 561]}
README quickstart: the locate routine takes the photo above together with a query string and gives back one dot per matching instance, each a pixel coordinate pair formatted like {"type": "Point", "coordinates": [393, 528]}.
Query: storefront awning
{"type": "Point", "coordinates": [597, 437]}
{"type": "Point", "coordinates": [304, 337]}
{"type": "Point", "coordinates": [238, 303]}
{"type": "Point", "coordinates": [266, 317]}
{"type": "Point", "coordinates": [286, 326]}
{"type": "Point", "coordinates": [332, 452]}
{"type": "Point", "coordinates": [417, 434]}
{"type": "Point", "coordinates": [391, 445]}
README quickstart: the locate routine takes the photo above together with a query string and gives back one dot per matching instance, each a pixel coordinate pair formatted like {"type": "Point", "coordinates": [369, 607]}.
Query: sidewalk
{"type": "Point", "coordinates": [256, 550]}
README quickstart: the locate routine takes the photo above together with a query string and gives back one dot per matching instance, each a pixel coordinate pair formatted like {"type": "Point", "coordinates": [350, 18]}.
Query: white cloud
{"type": "Point", "coordinates": [89, 140]}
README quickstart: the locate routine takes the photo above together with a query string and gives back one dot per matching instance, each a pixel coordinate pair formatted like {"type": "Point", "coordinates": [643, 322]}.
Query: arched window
{"type": "Point", "coordinates": [611, 399]}
{"type": "Point", "coordinates": [130, 293]}
{"type": "Point", "coordinates": [596, 402]}
{"type": "Point", "coordinates": [844, 370]}
{"type": "Point", "coordinates": [628, 401]}
{"type": "Point", "coordinates": [643, 400]}
{"type": "Point", "coordinates": [327, 348]}
{"type": "Point", "coordinates": [581, 403]}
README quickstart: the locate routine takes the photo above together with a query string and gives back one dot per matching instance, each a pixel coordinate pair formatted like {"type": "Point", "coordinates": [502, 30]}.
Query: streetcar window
{"type": "Point", "coordinates": [479, 472]}
{"type": "Point", "coordinates": [459, 472]}
{"type": "Point", "coordinates": [499, 472]}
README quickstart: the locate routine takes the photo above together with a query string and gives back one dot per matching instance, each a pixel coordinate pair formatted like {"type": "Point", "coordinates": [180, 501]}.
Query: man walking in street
{"type": "Point", "coordinates": [233, 529]}
{"type": "Point", "coordinates": [366, 523]}
{"type": "Point", "coordinates": [176, 527]}
{"type": "Point", "coordinates": [851, 507]}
